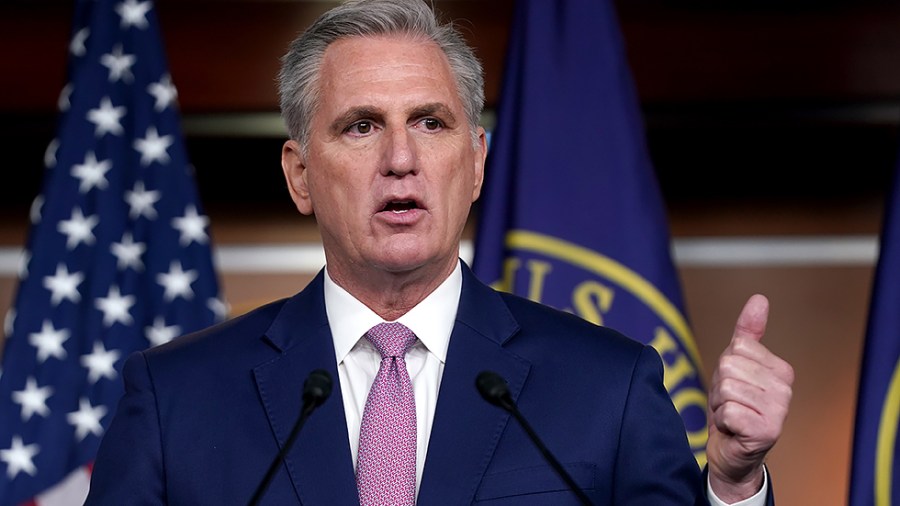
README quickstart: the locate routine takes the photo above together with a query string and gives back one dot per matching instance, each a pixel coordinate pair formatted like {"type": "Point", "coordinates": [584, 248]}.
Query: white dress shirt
{"type": "Point", "coordinates": [432, 322]}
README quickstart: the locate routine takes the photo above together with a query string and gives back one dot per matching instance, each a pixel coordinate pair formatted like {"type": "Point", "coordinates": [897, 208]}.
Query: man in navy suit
{"type": "Point", "coordinates": [382, 104]}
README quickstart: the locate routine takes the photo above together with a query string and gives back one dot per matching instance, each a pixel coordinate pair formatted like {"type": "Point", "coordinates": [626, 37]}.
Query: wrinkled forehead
{"type": "Point", "coordinates": [346, 53]}
{"type": "Point", "coordinates": [394, 65]}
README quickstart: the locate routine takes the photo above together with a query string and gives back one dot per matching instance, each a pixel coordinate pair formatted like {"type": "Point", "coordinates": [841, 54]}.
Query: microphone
{"type": "Point", "coordinates": [495, 390]}
{"type": "Point", "coordinates": [316, 389]}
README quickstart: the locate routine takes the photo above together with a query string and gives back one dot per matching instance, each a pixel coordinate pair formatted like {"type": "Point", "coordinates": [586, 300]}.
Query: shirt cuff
{"type": "Point", "coordinates": [758, 499]}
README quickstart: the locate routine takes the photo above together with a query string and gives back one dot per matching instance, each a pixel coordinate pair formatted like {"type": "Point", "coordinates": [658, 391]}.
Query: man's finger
{"type": "Point", "coordinates": [751, 323]}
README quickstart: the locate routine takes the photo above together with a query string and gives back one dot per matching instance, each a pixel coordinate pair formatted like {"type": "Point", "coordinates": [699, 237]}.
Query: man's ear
{"type": "Point", "coordinates": [480, 158]}
{"type": "Point", "coordinates": [293, 164]}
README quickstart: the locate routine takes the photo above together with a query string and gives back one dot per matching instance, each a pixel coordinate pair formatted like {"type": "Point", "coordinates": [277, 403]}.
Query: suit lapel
{"type": "Point", "coordinates": [319, 465]}
{"type": "Point", "coordinates": [466, 428]}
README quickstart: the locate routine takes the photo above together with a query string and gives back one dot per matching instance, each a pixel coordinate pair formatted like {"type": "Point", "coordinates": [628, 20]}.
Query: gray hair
{"type": "Point", "coordinates": [299, 75]}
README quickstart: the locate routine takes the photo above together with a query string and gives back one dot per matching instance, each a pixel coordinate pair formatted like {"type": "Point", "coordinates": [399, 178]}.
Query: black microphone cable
{"type": "Point", "coordinates": [495, 390]}
{"type": "Point", "coordinates": [316, 389]}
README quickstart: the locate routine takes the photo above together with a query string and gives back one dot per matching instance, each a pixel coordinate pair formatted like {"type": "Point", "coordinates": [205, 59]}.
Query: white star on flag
{"type": "Point", "coordinates": [87, 419]}
{"type": "Point", "coordinates": [119, 64]}
{"type": "Point", "coordinates": [177, 282]}
{"type": "Point", "coordinates": [192, 226]}
{"type": "Point", "coordinates": [78, 228]}
{"type": "Point", "coordinates": [33, 399]}
{"type": "Point", "coordinates": [218, 307]}
{"type": "Point", "coordinates": [23, 264]}
{"type": "Point", "coordinates": [49, 341]}
{"type": "Point", "coordinates": [34, 214]}
{"type": "Point", "coordinates": [63, 285]}
{"type": "Point", "coordinates": [19, 458]}
{"type": "Point", "coordinates": [106, 118]}
{"type": "Point", "coordinates": [164, 92]}
{"type": "Point", "coordinates": [95, 282]}
{"type": "Point", "coordinates": [115, 307]}
{"type": "Point", "coordinates": [133, 13]}
{"type": "Point", "coordinates": [153, 148]}
{"type": "Point", "coordinates": [128, 252]}
{"type": "Point", "coordinates": [64, 95]}
{"type": "Point", "coordinates": [100, 363]}
{"type": "Point", "coordinates": [92, 173]}
{"type": "Point", "coordinates": [160, 333]}
{"type": "Point", "coordinates": [8, 323]}
{"type": "Point", "coordinates": [141, 202]}
{"type": "Point", "coordinates": [50, 154]}
{"type": "Point", "coordinates": [76, 46]}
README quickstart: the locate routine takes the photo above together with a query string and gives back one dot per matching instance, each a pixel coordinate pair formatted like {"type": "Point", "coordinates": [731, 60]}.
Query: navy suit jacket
{"type": "Point", "coordinates": [204, 415]}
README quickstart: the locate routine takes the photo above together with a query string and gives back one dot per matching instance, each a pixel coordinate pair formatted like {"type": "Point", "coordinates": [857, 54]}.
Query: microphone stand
{"type": "Point", "coordinates": [316, 389]}
{"type": "Point", "coordinates": [495, 390]}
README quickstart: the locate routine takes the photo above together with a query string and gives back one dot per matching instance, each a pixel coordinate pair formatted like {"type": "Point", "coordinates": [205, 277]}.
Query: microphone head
{"type": "Point", "coordinates": [494, 389]}
{"type": "Point", "coordinates": [317, 387]}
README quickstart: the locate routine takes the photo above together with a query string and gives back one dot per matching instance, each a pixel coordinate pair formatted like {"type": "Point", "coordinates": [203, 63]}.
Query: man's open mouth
{"type": "Point", "coordinates": [400, 206]}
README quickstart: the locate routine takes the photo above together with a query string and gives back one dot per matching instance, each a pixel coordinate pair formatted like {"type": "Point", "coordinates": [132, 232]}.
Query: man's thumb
{"type": "Point", "coordinates": [751, 322]}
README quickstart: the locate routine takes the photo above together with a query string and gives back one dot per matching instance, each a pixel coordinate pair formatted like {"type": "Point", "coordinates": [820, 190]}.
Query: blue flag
{"type": "Point", "coordinates": [875, 475]}
{"type": "Point", "coordinates": [118, 256]}
{"type": "Point", "coordinates": [572, 215]}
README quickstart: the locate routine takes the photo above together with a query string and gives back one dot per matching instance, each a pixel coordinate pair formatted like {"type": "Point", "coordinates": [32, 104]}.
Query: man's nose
{"type": "Point", "coordinates": [399, 155]}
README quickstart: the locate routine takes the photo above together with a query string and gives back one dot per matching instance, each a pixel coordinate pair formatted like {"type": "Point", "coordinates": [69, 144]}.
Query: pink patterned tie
{"type": "Point", "coordinates": [386, 467]}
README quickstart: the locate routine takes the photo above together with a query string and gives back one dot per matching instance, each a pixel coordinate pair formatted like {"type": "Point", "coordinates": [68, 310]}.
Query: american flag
{"type": "Point", "coordinates": [118, 256]}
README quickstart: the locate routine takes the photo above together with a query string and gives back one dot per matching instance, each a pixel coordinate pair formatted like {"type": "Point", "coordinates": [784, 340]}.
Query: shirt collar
{"type": "Point", "coordinates": [430, 320]}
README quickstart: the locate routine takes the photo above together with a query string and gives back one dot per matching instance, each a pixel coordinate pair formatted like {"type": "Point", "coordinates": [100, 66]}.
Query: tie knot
{"type": "Point", "coordinates": [391, 339]}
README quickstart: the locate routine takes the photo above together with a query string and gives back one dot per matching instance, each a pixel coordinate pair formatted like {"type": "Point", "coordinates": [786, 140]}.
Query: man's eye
{"type": "Point", "coordinates": [360, 128]}
{"type": "Point", "coordinates": [431, 124]}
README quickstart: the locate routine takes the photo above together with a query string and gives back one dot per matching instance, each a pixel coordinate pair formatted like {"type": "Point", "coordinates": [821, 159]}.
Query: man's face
{"type": "Point", "coordinates": [391, 169]}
